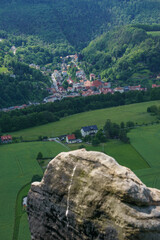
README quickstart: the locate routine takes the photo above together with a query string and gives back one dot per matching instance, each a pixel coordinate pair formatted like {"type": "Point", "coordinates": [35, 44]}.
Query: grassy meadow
{"type": "Point", "coordinates": [134, 112]}
{"type": "Point", "coordinates": [18, 165]}
{"type": "Point", "coordinates": [146, 141]}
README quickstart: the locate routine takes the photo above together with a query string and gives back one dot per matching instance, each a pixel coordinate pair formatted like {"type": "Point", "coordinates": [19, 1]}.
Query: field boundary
{"type": "Point", "coordinates": [141, 155]}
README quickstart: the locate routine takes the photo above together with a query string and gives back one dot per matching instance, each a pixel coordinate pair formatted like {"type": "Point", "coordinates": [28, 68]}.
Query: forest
{"type": "Point", "coordinates": [73, 22]}
{"type": "Point", "coordinates": [129, 55]}
{"type": "Point", "coordinates": [19, 83]}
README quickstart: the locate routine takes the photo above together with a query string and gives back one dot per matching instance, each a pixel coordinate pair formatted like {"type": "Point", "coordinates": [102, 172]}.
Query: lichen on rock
{"type": "Point", "coordinates": [88, 195]}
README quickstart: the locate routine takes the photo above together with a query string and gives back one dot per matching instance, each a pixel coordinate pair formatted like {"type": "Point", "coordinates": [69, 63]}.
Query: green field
{"type": "Point", "coordinates": [18, 165]}
{"type": "Point", "coordinates": [134, 112]}
{"type": "Point", "coordinates": [24, 232]}
{"type": "Point", "coordinates": [146, 141]}
{"type": "Point", "coordinates": [154, 33]}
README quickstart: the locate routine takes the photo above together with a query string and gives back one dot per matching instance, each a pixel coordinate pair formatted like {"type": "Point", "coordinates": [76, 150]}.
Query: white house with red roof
{"type": "Point", "coordinates": [71, 138]}
{"type": "Point", "coordinates": [6, 139]}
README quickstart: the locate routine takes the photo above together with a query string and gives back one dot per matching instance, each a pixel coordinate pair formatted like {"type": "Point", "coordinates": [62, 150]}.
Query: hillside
{"type": "Point", "coordinates": [20, 83]}
{"type": "Point", "coordinates": [73, 22]}
{"type": "Point", "coordinates": [129, 55]}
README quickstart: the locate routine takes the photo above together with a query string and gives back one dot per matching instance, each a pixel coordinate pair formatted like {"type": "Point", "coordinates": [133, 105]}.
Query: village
{"type": "Point", "coordinates": [64, 86]}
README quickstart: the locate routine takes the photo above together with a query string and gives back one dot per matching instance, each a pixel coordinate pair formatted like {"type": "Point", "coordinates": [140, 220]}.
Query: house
{"type": "Point", "coordinates": [87, 83]}
{"type": "Point", "coordinates": [64, 73]}
{"type": "Point", "coordinates": [97, 84]}
{"type": "Point", "coordinates": [92, 76]}
{"type": "Point", "coordinates": [71, 138]}
{"type": "Point", "coordinates": [70, 81]}
{"type": "Point", "coordinates": [6, 139]}
{"type": "Point", "coordinates": [62, 137]}
{"type": "Point", "coordinates": [79, 74]}
{"type": "Point", "coordinates": [134, 88]}
{"type": "Point", "coordinates": [119, 89]}
{"type": "Point", "coordinates": [155, 86]}
{"type": "Point", "coordinates": [106, 90]}
{"type": "Point", "coordinates": [107, 85]}
{"type": "Point", "coordinates": [89, 130]}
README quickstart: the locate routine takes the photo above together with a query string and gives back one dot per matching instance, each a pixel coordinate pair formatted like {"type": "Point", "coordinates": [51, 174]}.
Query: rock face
{"type": "Point", "coordinates": [88, 195]}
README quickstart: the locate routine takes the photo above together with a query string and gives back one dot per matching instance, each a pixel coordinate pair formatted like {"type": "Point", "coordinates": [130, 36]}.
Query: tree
{"type": "Point", "coordinates": [77, 134]}
{"type": "Point", "coordinates": [65, 84]}
{"type": "Point", "coordinates": [36, 178]}
{"type": "Point", "coordinates": [123, 136]}
{"type": "Point", "coordinates": [100, 136]}
{"type": "Point", "coordinates": [39, 155]}
{"type": "Point", "coordinates": [95, 142]}
{"type": "Point", "coordinates": [122, 125]}
{"type": "Point", "coordinates": [129, 124]}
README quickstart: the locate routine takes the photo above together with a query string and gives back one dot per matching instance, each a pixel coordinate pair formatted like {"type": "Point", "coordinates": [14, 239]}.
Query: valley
{"type": "Point", "coordinates": [66, 65]}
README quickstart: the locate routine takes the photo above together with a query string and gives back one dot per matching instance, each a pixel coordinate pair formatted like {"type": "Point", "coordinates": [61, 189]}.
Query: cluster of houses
{"type": "Point", "coordinates": [85, 131]}
{"type": "Point", "coordinates": [82, 86]}
{"type": "Point", "coordinates": [85, 88]}
{"type": "Point", "coordinates": [18, 107]}
{"type": "Point", "coordinates": [6, 139]}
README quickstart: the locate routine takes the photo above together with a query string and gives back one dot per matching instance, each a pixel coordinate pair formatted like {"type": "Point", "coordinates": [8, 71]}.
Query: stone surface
{"type": "Point", "coordinates": [88, 195]}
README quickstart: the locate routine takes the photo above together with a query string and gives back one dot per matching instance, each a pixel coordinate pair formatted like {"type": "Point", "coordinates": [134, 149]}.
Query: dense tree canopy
{"type": "Point", "coordinates": [128, 55]}
{"type": "Point", "coordinates": [73, 22]}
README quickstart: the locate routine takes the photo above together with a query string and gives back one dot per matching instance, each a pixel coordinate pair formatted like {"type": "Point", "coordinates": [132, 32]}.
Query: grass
{"type": "Point", "coordinates": [24, 232]}
{"type": "Point", "coordinates": [134, 112]}
{"type": "Point", "coordinates": [154, 33]}
{"type": "Point", "coordinates": [18, 165]}
{"type": "Point", "coordinates": [150, 176]}
{"type": "Point", "coordinates": [146, 141]}
{"type": "Point", "coordinates": [124, 154]}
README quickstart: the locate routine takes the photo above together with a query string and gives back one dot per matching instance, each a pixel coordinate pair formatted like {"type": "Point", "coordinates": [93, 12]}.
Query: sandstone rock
{"type": "Point", "coordinates": [88, 195]}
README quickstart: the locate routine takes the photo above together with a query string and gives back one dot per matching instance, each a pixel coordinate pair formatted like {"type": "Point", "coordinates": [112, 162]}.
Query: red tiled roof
{"type": "Point", "coordinates": [96, 83]}
{"type": "Point", "coordinates": [7, 137]}
{"type": "Point", "coordinates": [71, 137]}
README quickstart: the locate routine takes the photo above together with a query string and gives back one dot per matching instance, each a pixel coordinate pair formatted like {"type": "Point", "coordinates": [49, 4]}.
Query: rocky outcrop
{"type": "Point", "coordinates": [88, 195]}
